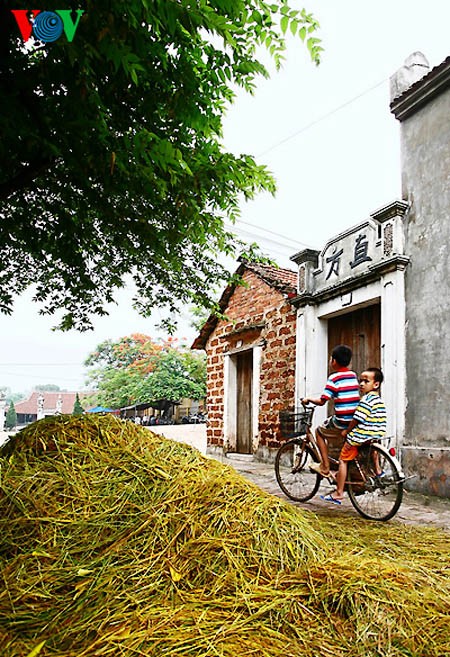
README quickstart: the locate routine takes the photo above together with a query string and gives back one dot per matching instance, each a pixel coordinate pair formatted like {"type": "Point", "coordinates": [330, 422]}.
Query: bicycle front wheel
{"type": "Point", "coordinates": [292, 471]}
{"type": "Point", "coordinates": [375, 497]}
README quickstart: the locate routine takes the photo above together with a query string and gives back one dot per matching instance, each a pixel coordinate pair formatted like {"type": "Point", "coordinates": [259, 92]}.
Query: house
{"type": "Point", "coordinates": [383, 287]}
{"type": "Point", "coordinates": [41, 404]}
{"type": "Point", "coordinates": [250, 360]}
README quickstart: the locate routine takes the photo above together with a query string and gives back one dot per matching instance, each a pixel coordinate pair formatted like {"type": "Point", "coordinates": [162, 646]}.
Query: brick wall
{"type": "Point", "coordinates": [256, 315]}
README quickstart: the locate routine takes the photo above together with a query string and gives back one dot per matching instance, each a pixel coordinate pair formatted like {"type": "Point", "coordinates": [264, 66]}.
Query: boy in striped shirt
{"type": "Point", "coordinates": [343, 388]}
{"type": "Point", "coordinates": [368, 423]}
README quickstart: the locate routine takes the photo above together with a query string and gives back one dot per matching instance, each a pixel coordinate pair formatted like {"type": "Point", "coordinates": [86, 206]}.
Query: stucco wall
{"type": "Point", "coordinates": [263, 307]}
{"type": "Point", "coordinates": [425, 141]}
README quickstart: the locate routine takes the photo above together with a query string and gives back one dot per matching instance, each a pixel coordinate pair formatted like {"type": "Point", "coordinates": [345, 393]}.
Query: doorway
{"type": "Point", "coordinates": [361, 331]}
{"type": "Point", "coordinates": [244, 386]}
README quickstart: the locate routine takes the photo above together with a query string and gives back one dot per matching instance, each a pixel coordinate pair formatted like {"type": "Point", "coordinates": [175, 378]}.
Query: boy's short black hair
{"type": "Point", "coordinates": [342, 355]}
{"type": "Point", "coordinates": [378, 375]}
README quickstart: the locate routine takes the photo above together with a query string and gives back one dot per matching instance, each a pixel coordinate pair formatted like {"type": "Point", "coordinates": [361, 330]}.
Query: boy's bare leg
{"type": "Point", "coordinates": [340, 480]}
{"type": "Point", "coordinates": [323, 449]}
{"type": "Point", "coordinates": [376, 463]}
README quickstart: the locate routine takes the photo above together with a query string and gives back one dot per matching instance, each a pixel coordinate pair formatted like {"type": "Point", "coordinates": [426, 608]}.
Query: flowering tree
{"type": "Point", "coordinates": [138, 369]}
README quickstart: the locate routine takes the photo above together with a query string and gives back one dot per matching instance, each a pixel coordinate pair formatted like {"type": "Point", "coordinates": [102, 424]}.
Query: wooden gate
{"type": "Point", "coordinates": [244, 381]}
{"type": "Point", "coordinates": [360, 330]}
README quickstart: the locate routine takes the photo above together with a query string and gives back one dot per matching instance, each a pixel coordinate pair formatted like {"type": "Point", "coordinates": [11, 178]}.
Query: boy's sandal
{"type": "Point", "coordinates": [330, 498]}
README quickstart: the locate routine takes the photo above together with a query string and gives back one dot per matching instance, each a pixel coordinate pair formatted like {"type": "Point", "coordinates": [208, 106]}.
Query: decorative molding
{"type": "Point", "coordinates": [307, 255]}
{"type": "Point", "coordinates": [373, 273]}
{"type": "Point", "coordinates": [388, 239]}
{"type": "Point", "coordinates": [397, 208]}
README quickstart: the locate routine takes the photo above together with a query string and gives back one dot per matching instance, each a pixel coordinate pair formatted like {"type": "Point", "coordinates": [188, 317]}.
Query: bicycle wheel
{"type": "Point", "coordinates": [375, 497]}
{"type": "Point", "coordinates": [292, 471]}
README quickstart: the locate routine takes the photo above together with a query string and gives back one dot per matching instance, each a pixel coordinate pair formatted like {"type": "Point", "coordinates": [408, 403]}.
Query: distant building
{"type": "Point", "coordinates": [41, 404]}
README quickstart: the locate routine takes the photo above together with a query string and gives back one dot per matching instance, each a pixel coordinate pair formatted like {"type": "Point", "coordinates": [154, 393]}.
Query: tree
{"type": "Point", "coordinates": [175, 375]}
{"type": "Point", "coordinates": [47, 387]}
{"type": "Point", "coordinates": [110, 155]}
{"type": "Point", "coordinates": [11, 417]}
{"type": "Point", "coordinates": [11, 396]}
{"type": "Point", "coordinates": [137, 369]}
{"type": "Point", "coordinates": [77, 407]}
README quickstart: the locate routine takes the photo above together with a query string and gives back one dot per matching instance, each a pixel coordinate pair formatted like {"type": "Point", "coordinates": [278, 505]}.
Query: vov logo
{"type": "Point", "coordinates": [47, 26]}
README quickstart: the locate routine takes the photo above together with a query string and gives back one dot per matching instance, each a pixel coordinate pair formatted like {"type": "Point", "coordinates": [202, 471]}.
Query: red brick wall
{"type": "Point", "coordinates": [256, 304]}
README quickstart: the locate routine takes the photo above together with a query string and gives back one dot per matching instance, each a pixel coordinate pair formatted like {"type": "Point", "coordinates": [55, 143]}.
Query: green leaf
{"type": "Point", "coordinates": [284, 24]}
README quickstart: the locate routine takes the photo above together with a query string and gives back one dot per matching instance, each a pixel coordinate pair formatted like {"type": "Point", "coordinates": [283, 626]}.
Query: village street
{"type": "Point", "coordinates": [415, 509]}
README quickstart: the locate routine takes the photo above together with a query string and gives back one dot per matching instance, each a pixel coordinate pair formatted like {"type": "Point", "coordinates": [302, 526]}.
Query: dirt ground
{"type": "Point", "coordinates": [415, 509]}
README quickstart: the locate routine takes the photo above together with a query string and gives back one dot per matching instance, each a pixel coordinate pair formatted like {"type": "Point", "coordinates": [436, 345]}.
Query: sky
{"type": "Point", "coordinates": [327, 135]}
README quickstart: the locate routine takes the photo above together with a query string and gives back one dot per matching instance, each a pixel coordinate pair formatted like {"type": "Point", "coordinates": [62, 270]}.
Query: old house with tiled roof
{"type": "Point", "coordinates": [250, 360]}
{"type": "Point", "coordinates": [41, 404]}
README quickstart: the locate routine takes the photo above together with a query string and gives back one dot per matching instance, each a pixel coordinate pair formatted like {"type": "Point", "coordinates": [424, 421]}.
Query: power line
{"type": "Point", "coordinates": [322, 118]}
{"type": "Point", "coordinates": [39, 364]}
{"type": "Point", "coordinates": [26, 376]}
{"type": "Point", "coordinates": [295, 134]}
{"type": "Point", "coordinates": [266, 230]}
{"type": "Point", "coordinates": [261, 237]}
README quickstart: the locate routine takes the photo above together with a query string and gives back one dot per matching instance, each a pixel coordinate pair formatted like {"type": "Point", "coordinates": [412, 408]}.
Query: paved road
{"type": "Point", "coordinates": [415, 509]}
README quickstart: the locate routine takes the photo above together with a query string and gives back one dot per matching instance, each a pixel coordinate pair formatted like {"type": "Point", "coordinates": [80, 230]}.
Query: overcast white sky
{"type": "Point", "coordinates": [327, 135]}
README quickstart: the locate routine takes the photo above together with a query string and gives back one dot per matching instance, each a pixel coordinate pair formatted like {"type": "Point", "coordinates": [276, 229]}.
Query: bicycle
{"type": "Point", "coordinates": [375, 497]}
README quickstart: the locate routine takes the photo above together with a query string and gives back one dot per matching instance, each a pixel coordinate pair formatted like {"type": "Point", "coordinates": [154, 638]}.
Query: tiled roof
{"type": "Point", "coordinates": [281, 279]}
{"type": "Point", "coordinates": [422, 91]}
{"type": "Point", "coordinates": [29, 406]}
{"type": "Point", "coordinates": [284, 280]}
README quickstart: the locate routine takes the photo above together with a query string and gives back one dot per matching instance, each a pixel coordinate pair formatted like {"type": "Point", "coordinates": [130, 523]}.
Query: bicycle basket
{"type": "Point", "coordinates": [294, 423]}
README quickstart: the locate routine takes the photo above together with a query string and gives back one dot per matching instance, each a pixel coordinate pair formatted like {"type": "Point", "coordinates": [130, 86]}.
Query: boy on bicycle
{"type": "Point", "coordinates": [343, 388]}
{"type": "Point", "coordinates": [368, 423]}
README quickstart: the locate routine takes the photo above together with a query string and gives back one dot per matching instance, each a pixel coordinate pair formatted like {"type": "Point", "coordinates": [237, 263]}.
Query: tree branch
{"type": "Point", "coordinates": [25, 178]}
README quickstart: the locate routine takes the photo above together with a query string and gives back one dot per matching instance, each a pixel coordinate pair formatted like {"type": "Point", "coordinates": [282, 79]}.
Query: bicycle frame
{"type": "Point", "coordinates": [374, 480]}
{"type": "Point", "coordinates": [309, 435]}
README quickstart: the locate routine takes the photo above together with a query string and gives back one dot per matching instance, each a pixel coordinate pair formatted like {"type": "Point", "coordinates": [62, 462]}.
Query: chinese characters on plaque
{"type": "Point", "coordinates": [360, 255]}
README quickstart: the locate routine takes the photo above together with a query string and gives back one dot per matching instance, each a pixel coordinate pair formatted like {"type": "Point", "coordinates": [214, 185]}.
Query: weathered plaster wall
{"type": "Point", "coordinates": [425, 140]}
{"type": "Point", "coordinates": [426, 186]}
{"type": "Point", "coordinates": [265, 308]}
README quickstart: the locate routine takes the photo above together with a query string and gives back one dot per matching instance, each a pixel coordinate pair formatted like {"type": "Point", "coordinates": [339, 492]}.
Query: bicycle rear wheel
{"type": "Point", "coordinates": [375, 497]}
{"type": "Point", "coordinates": [292, 471]}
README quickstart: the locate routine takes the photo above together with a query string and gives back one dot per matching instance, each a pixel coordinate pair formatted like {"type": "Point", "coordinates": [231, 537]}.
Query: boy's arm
{"type": "Point", "coordinates": [351, 426]}
{"type": "Point", "coordinates": [320, 401]}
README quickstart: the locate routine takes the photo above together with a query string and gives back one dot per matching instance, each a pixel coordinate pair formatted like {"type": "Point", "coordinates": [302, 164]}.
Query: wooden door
{"type": "Point", "coordinates": [360, 330]}
{"type": "Point", "coordinates": [244, 380]}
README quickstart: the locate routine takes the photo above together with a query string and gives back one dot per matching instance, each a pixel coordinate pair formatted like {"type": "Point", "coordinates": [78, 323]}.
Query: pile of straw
{"type": "Point", "coordinates": [115, 542]}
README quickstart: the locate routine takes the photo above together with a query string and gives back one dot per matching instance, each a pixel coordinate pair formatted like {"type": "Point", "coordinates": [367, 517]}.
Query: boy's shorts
{"type": "Point", "coordinates": [348, 452]}
{"type": "Point", "coordinates": [329, 430]}
{"type": "Point", "coordinates": [333, 435]}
